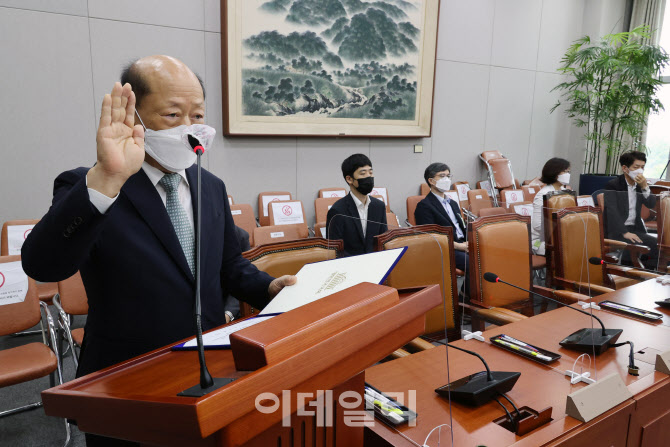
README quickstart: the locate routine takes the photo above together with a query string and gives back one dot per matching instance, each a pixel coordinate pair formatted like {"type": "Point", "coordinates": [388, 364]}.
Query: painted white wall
{"type": "Point", "coordinates": [495, 69]}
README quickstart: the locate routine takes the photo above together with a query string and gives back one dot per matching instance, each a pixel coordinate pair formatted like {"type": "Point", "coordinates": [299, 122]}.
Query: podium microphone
{"type": "Point", "coordinates": [584, 340]}
{"type": "Point", "coordinates": [477, 389]}
{"type": "Point", "coordinates": [207, 383]}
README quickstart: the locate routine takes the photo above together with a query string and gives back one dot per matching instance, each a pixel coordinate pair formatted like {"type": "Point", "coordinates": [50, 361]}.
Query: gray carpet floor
{"type": "Point", "coordinates": [34, 428]}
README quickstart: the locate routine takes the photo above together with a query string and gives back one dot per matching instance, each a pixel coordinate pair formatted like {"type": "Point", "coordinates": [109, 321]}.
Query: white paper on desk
{"type": "Point", "coordinates": [320, 279]}
{"type": "Point", "coordinates": [16, 235]}
{"type": "Point", "coordinates": [13, 283]}
{"type": "Point", "coordinates": [221, 337]}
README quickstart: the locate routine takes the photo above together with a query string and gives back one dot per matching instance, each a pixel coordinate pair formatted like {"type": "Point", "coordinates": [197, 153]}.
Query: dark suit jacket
{"type": "Point", "coordinates": [139, 286]}
{"type": "Point", "coordinates": [350, 230]}
{"type": "Point", "coordinates": [616, 207]}
{"type": "Point", "coordinates": [431, 211]}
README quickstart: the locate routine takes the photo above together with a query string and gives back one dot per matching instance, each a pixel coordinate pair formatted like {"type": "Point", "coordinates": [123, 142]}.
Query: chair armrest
{"type": "Point", "coordinates": [399, 353]}
{"type": "Point", "coordinates": [564, 296]}
{"type": "Point", "coordinates": [614, 244]}
{"type": "Point", "coordinates": [630, 272]}
{"type": "Point", "coordinates": [419, 344]}
{"type": "Point", "coordinates": [578, 285]}
{"type": "Point", "coordinates": [500, 316]}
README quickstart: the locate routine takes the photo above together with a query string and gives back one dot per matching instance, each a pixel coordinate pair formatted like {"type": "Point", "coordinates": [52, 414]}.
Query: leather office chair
{"type": "Point", "coordinates": [478, 199]}
{"type": "Point", "coordinates": [231, 201]}
{"type": "Point", "coordinates": [332, 192]}
{"type": "Point", "coordinates": [529, 192]}
{"type": "Point", "coordinates": [263, 198]}
{"type": "Point", "coordinates": [33, 360]}
{"type": "Point", "coordinates": [663, 232]}
{"type": "Point", "coordinates": [424, 189]}
{"type": "Point", "coordinates": [45, 290]}
{"type": "Point", "coordinates": [321, 207]}
{"type": "Point", "coordinates": [412, 201]}
{"type": "Point", "coordinates": [392, 221]}
{"type": "Point", "coordinates": [462, 188]}
{"type": "Point", "coordinates": [320, 230]}
{"type": "Point", "coordinates": [578, 236]}
{"type": "Point", "coordinates": [493, 211]}
{"type": "Point", "coordinates": [287, 258]}
{"type": "Point", "coordinates": [243, 215]}
{"type": "Point", "coordinates": [501, 245]}
{"type": "Point", "coordinates": [499, 170]}
{"type": "Point", "coordinates": [279, 233]}
{"type": "Point", "coordinates": [379, 197]}
{"type": "Point", "coordinates": [384, 196]}
{"type": "Point", "coordinates": [429, 259]}
{"type": "Point", "coordinates": [71, 300]}
{"type": "Point", "coordinates": [287, 209]}
{"type": "Point", "coordinates": [553, 201]}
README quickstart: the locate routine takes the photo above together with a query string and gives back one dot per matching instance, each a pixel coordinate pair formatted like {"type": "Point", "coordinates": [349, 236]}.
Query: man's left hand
{"type": "Point", "coordinates": [280, 283]}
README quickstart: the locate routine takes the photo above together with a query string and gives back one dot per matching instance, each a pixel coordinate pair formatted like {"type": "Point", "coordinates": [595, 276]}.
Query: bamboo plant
{"type": "Point", "coordinates": [610, 91]}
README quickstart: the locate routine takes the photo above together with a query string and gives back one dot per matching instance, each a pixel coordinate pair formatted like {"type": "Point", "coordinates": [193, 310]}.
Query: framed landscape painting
{"type": "Point", "coordinates": [342, 68]}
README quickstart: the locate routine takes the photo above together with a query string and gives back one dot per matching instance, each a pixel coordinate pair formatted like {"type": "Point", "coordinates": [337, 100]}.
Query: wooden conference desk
{"type": "Point", "coordinates": [641, 421]}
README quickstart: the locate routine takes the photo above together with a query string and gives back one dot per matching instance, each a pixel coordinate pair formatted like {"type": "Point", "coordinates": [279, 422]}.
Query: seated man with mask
{"type": "Point", "coordinates": [127, 224]}
{"type": "Point", "coordinates": [357, 218]}
{"type": "Point", "coordinates": [437, 208]}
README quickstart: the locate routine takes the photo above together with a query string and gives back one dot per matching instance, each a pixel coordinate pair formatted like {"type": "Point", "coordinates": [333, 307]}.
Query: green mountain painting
{"type": "Point", "coordinates": [331, 58]}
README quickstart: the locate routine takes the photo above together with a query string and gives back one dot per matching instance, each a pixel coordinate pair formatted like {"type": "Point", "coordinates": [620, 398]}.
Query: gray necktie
{"type": "Point", "coordinates": [179, 218]}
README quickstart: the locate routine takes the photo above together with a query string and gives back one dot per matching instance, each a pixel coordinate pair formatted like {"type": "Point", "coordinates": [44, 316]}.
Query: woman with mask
{"type": "Point", "coordinates": [556, 177]}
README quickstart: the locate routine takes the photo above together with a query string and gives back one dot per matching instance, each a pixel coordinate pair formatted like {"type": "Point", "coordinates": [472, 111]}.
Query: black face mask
{"type": "Point", "coordinates": [365, 185]}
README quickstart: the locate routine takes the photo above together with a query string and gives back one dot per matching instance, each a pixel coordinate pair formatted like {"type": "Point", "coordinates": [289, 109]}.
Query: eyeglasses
{"type": "Point", "coordinates": [443, 176]}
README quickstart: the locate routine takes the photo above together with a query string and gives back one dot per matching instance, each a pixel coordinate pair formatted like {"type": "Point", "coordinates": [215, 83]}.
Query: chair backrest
{"type": "Point", "coordinates": [279, 233]}
{"type": "Point", "coordinates": [286, 212]}
{"type": "Point", "coordinates": [500, 244]}
{"type": "Point", "coordinates": [551, 202]}
{"type": "Point", "coordinates": [534, 182]}
{"type": "Point", "coordinates": [378, 197]}
{"type": "Point", "coordinates": [529, 192]}
{"type": "Point", "coordinates": [392, 220]}
{"type": "Point", "coordinates": [502, 173]}
{"type": "Point", "coordinates": [264, 199]}
{"type": "Point", "coordinates": [73, 296]}
{"type": "Point", "coordinates": [412, 201]}
{"type": "Point", "coordinates": [320, 229]}
{"type": "Point", "coordinates": [287, 258]}
{"type": "Point", "coordinates": [321, 207]}
{"type": "Point", "coordinates": [478, 199]}
{"type": "Point", "coordinates": [14, 232]}
{"type": "Point", "coordinates": [491, 155]}
{"type": "Point", "coordinates": [422, 264]}
{"type": "Point", "coordinates": [512, 196]}
{"type": "Point", "coordinates": [579, 236]}
{"type": "Point", "coordinates": [332, 192]}
{"type": "Point", "coordinates": [231, 201]}
{"type": "Point", "coordinates": [21, 315]}
{"type": "Point", "coordinates": [243, 215]}
{"type": "Point", "coordinates": [493, 211]}
{"type": "Point", "coordinates": [521, 208]}
{"type": "Point", "coordinates": [383, 192]}
{"type": "Point", "coordinates": [424, 189]}
{"type": "Point", "coordinates": [664, 222]}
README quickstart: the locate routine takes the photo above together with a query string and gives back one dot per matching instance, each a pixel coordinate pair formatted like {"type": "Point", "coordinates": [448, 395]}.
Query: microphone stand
{"type": "Point", "coordinates": [207, 383]}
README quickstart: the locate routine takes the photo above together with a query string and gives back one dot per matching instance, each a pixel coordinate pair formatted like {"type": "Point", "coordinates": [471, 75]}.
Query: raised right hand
{"type": "Point", "coordinates": [120, 143]}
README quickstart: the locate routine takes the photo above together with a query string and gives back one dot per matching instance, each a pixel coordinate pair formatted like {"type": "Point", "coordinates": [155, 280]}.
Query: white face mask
{"type": "Point", "coordinates": [171, 148]}
{"type": "Point", "coordinates": [443, 184]}
{"type": "Point", "coordinates": [564, 178]}
{"type": "Point", "coordinates": [635, 173]}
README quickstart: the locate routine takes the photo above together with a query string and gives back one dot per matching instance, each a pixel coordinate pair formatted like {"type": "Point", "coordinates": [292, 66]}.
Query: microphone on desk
{"type": "Point", "coordinates": [477, 389]}
{"type": "Point", "coordinates": [599, 261]}
{"type": "Point", "coordinates": [207, 383]}
{"type": "Point", "coordinates": [584, 340]}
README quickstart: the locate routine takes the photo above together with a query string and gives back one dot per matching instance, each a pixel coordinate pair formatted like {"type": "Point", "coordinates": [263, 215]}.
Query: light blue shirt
{"type": "Point", "coordinates": [450, 212]}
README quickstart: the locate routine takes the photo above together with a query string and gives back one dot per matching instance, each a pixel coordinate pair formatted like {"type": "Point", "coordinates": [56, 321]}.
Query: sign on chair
{"type": "Point", "coordinates": [268, 199]}
{"type": "Point", "coordinates": [337, 193]}
{"type": "Point", "coordinates": [453, 195]}
{"type": "Point", "coordinates": [585, 201]}
{"type": "Point", "coordinates": [286, 213]}
{"type": "Point", "coordinates": [16, 235]}
{"type": "Point", "coordinates": [381, 192]}
{"type": "Point", "coordinates": [513, 196]}
{"type": "Point", "coordinates": [462, 192]}
{"type": "Point", "coordinates": [13, 283]}
{"type": "Point", "coordinates": [524, 210]}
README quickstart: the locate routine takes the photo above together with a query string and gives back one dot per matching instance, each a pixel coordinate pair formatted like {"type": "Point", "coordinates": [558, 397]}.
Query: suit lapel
{"type": "Point", "coordinates": [144, 197]}
{"type": "Point", "coordinates": [353, 211]}
{"type": "Point", "coordinates": [438, 205]}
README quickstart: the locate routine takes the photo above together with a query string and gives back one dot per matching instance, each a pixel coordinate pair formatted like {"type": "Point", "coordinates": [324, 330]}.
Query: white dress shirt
{"type": "Point", "coordinates": [450, 212]}
{"type": "Point", "coordinates": [632, 202]}
{"type": "Point", "coordinates": [362, 211]}
{"type": "Point", "coordinates": [102, 202]}
{"type": "Point", "coordinates": [536, 231]}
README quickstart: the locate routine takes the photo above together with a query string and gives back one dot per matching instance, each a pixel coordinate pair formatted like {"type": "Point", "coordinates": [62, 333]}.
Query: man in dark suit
{"type": "Point", "coordinates": [624, 197]}
{"type": "Point", "coordinates": [127, 225]}
{"type": "Point", "coordinates": [438, 208]}
{"type": "Point", "coordinates": [357, 218]}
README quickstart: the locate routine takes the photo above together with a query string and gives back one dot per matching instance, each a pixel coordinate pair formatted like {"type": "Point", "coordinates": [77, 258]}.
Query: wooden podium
{"type": "Point", "coordinates": [325, 345]}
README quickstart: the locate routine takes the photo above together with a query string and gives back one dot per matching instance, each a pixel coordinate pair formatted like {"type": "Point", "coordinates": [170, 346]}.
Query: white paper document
{"type": "Point", "coordinates": [221, 337]}
{"type": "Point", "coordinates": [320, 279]}
{"type": "Point", "coordinates": [381, 192]}
{"type": "Point", "coordinates": [287, 213]}
{"type": "Point", "coordinates": [463, 192]}
{"type": "Point", "coordinates": [13, 283]}
{"type": "Point", "coordinates": [337, 193]}
{"type": "Point", "coordinates": [268, 199]}
{"type": "Point", "coordinates": [16, 235]}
